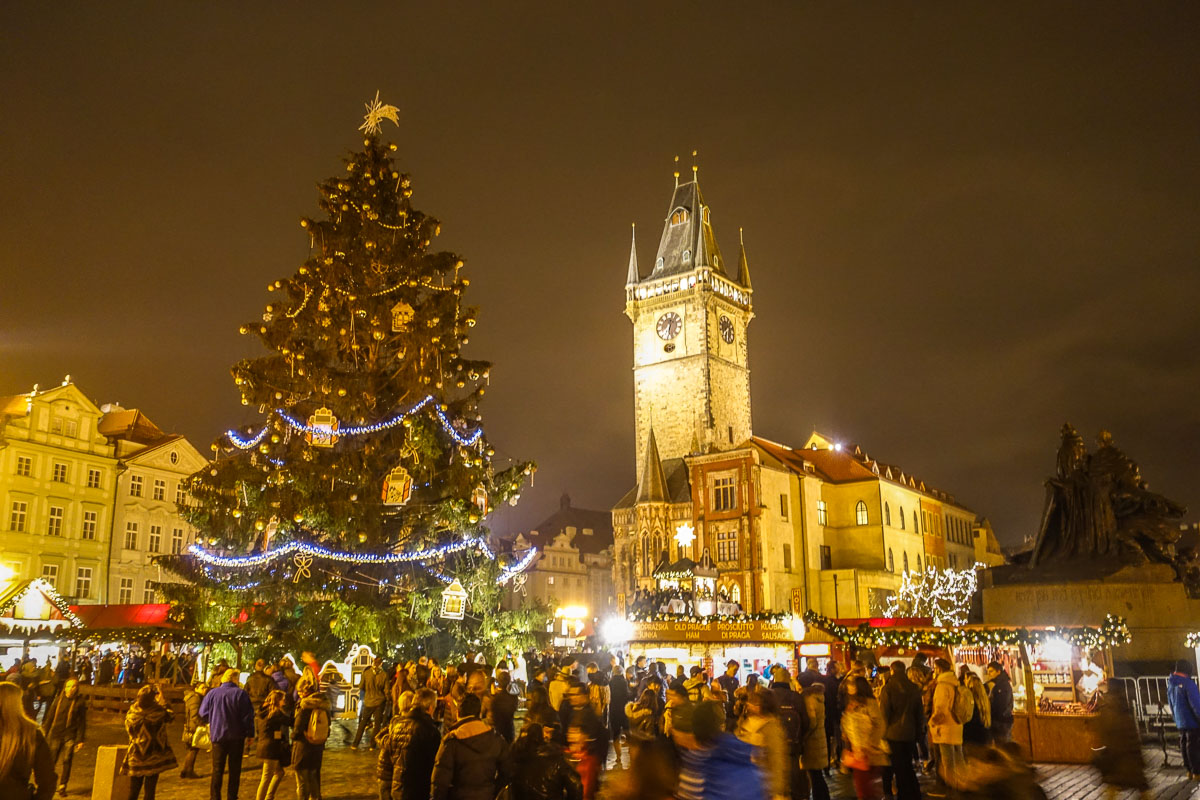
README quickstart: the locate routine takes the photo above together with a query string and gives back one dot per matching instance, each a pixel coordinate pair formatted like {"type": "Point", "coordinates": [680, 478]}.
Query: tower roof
{"type": "Point", "coordinates": [687, 240]}
{"type": "Point", "coordinates": [633, 277]}
{"type": "Point", "coordinates": [743, 276]}
{"type": "Point", "coordinates": [653, 486]}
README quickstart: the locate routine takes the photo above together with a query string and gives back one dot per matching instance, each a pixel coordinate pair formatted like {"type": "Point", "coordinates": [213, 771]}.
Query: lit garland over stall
{"type": "Point", "coordinates": [943, 595]}
{"type": "Point", "coordinates": [1113, 633]}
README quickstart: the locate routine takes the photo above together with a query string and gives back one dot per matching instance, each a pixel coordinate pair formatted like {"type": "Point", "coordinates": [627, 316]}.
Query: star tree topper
{"type": "Point", "coordinates": [685, 534]}
{"type": "Point", "coordinates": [377, 112]}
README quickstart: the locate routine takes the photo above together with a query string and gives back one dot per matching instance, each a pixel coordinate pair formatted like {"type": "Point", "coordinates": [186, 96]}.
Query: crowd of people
{"type": "Point", "coordinates": [686, 602]}
{"type": "Point", "coordinates": [454, 732]}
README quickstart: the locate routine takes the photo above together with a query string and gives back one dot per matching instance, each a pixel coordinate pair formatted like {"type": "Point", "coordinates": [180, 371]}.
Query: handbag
{"type": "Point", "coordinates": [852, 760]}
{"type": "Point", "coordinates": [200, 740]}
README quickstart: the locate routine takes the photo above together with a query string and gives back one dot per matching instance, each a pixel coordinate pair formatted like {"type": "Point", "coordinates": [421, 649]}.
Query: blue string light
{"type": "Point", "coordinates": [262, 559]}
{"type": "Point", "coordinates": [508, 573]}
{"type": "Point", "coordinates": [358, 430]}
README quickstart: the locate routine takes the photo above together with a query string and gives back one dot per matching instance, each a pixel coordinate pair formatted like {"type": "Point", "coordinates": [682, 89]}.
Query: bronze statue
{"type": "Point", "coordinates": [1098, 507]}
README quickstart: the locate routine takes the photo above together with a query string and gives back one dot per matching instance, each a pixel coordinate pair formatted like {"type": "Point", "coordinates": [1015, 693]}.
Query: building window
{"type": "Point", "coordinates": [679, 217]}
{"type": "Point", "coordinates": [71, 428]}
{"type": "Point", "coordinates": [901, 517]}
{"type": "Point", "coordinates": [822, 513]}
{"type": "Point", "coordinates": [826, 557]}
{"type": "Point", "coordinates": [148, 593]}
{"type": "Point", "coordinates": [60, 473]}
{"type": "Point", "coordinates": [160, 489]}
{"type": "Point", "coordinates": [887, 514]}
{"type": "Point", "coordinates": [905, 559]}
{"type": "Point", "coordinates": [155, 538]}
{"type": "Point", "coordinates": [177, 541]}
{"type": "Point", "coordinates": [687, 256]}
{"type": "Point", "coordinates": [131, 535]}
{"type": "Point", "coordinates": [125, 593]}
{"type": "Point", "coordinates": [860, 513]}
{"type": "Point", "coordinates": [54, 524]}
{"type": "Point", "coordinates": [88, 530]}
{"type": "Point", "coordinates": [56, 425]}
{"type": "Point", "coordinates": [50, 574]}
{"type": "Point", "coordinates": [783, 507]}
{"type": "Point", "coordinates": [724, 494]}
{"type": "Point", "coordinates": [953, 561]}
{"type": "Point", "coordinates": [16, 517]}
{"type": "Point", "coordinates": [93, 479]}
{"type": "Point", "coordinates": [919, 564]}
{"type": "Point", "coordinates": [24, 466]}
{"type": "Point", "coordinates": [83, 582]}
{"type": "Point", "coordinates": [925, 522]}
{"type": "Point", "coordinates": [915, 528]}
{"type": "Point", "coordinates": [787, 556]}
{"type": "Point", "coordinates": [550, 579]}
{"type": "Point", "coordinates": [135, 485]}
{"type": "Point", "coordinates": [180, 494]}
{"type": "Point", "coordinates": [735, 593]}
{"type": "Point", "coordinates": [891, 561]}
{"type": "Point", "coordinates": [727, 545]}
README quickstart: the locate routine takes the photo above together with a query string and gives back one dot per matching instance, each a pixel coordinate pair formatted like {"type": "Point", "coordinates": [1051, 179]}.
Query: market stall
{"type": "Point", "coordinates": [35, 621]}
{"type": "Point", "coordinates": [1055, 672]}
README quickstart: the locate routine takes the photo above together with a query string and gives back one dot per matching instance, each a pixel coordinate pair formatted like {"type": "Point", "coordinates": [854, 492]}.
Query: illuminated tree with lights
{"type": "Point", "coordinates": [943, 595]}
{"type": "Point", "coordinates": [362, 489]}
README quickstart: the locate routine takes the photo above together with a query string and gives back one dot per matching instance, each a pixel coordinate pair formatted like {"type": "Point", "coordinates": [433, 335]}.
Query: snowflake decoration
{"type": "Point", "coordinates": [377, 112]}
{"type": "Point", "coordinates": [685, 534]}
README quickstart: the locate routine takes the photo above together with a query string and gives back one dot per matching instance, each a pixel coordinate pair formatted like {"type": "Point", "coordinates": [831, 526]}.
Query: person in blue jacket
{"type": "Point", "coordinates": [714, 765]}
{"type": "Point", "coordinates": [230, 716]}
{"type": "Point", "coordinates": [1184, 697]}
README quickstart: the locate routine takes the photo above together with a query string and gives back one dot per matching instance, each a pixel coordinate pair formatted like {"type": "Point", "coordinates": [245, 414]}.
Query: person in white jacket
{"type": "Point", "coordinates": [945, 732]}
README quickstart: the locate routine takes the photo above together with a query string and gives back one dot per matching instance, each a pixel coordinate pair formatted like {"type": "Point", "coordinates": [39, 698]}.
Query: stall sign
{"type": "Point", "coordinates": [731, 631]}
{"type": "Point", "coordinates": [815, 649]}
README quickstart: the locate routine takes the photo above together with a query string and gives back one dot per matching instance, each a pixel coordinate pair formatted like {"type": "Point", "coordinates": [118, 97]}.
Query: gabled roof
{"type": "Point", "coordinates": [567, 516]}
{"type": "Point", "coordinates": [694, 234]}
{"type": "Point", "coordinates": [56, 610]}
{"type": "Point", "coordinates": [130, 425]}
{"type": "Point", "coordinates": [678, 485]}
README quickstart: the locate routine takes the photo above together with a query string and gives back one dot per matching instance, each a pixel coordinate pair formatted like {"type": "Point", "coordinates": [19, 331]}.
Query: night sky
{"type": "Point", "coordinates": [966, 223]}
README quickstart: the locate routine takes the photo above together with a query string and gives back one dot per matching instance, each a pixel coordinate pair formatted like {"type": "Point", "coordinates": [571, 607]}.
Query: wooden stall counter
{"type": "Point", "coordinates": [1055, 738]}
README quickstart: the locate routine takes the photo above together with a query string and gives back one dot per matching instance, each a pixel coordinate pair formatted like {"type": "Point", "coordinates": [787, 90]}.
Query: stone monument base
{"type": "Point", "coordinates": [1154, 604]}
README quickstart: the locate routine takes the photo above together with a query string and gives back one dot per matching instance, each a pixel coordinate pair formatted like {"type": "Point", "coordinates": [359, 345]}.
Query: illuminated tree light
{"type": "Point", "coordinates": [942, 595]}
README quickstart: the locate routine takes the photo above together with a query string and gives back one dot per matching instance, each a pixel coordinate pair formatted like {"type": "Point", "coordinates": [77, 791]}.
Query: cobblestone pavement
{"type": "Point", "coordinates": [350, 775]}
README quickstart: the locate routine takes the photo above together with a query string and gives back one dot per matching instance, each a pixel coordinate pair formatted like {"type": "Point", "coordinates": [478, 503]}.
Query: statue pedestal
{"type": "Point", "coordinates": [1155, 606]}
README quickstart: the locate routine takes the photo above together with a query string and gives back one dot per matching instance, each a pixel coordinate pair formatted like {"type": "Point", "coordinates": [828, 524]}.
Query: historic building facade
{"type": "Point", "coordinates": [823, 526]}
{"type": "Point", "coordinates": [89, 495]}
{"type": "Point", "coordinates": [573, 568]}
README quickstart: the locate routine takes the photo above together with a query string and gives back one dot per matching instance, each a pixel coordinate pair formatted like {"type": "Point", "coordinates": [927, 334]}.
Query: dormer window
{"type": "Point", "coordinates": [687, 256]}
{"type": "Point", "coordinates": [679, 216]}
{"type": "Point", "coordinates": [658, 264]}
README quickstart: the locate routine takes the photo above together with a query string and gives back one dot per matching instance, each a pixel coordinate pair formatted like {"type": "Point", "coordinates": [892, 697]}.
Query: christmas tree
{"type": "Point", "coordinates": [359, 498]}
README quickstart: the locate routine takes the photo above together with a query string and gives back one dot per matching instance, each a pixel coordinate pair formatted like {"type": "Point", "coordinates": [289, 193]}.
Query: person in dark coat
{"type": "Point", "coordinates": [472, 762]}
{"type": "Point", "coordinates": [833, 710]}
{"type": "Point", "coordinates": [273, 747]}
{"type": "Point", "coordinates": [373, 685]}
{"type": "Point", "coordinates": [503, 707]}
{"type": "Point", "coordinates": [258, 686]}
{"type": "Point", "coordinates": [1118, 747]}
{"type": "Point", "coordinates": [230, 718]}
{"type": "Point", "coordinates": [307, 755]}
{"type": "Point", "coordinates": [1184, 699]}
{"type": "Point", "coordinates": [192, 696]}
{"type": "Point", "coordinates": [902, 710]}
{"type": "Point", "coordinates": [1000, 699]}
{"type": "Point", "coordinates": [65, 724]}
{"type": "Point", "coordinates": [793, 715]}
{"type": "Point", "coordinates": [149, 753]}
{"type": "Point", "coordinates": [408, 749]}
{"type": "Point", "coordinates": [24, 754]}
{"type": "Point", "coordinates": [541, 770]}
{"type": "Point", "coordinates": [619, 690]}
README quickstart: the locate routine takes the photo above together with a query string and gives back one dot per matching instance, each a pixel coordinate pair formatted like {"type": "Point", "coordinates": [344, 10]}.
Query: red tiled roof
{"type": "Point", "coordinates": [135, 615]}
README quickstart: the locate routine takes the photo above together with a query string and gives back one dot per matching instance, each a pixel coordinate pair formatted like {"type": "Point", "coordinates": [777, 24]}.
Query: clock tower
{"type": "Point", "coordinates": [691, 374]}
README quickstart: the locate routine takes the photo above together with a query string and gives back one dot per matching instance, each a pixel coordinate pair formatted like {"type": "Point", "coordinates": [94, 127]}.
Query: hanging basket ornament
{"type": "Point", "coordinates": [323, 428]}
{"type": "Point", "coordinates": [397, 487]}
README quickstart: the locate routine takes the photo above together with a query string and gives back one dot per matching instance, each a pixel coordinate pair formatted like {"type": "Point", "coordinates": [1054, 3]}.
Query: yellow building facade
{"type": "Point", "coordinates": [823, 526]}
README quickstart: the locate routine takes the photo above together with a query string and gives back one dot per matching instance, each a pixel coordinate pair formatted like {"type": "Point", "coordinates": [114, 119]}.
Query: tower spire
{"type": "Point", "coordinates": [743, 264]}
{"type": "Point", "coordinates": [633, 276]}
{"type": "Point", "coordinates": [652, 488]}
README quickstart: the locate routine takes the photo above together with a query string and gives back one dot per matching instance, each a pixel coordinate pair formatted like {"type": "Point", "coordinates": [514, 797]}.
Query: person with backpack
{"type": "Point", "coordinates": [308, 742]}
{"type": "Point", "coordinates": [230, 717]}
{"type": "Point", "coordinates": [900, 704]}
{"type": "Point", "coordinates": [1184, 699]}
{"type": "Point", "coordinates": [794, 718]}
{"type": "Point", "coordinates": [952, 707]}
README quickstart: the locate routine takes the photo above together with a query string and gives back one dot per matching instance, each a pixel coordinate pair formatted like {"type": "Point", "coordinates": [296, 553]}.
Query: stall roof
{"type": "Point", "coordinates": [129, 615]}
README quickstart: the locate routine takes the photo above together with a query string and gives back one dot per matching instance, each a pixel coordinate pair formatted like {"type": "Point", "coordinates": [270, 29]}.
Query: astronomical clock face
{"type": "Point", "coordinates": [726, 325]}
{"type": "Point", "coordinates": [669, 326]}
